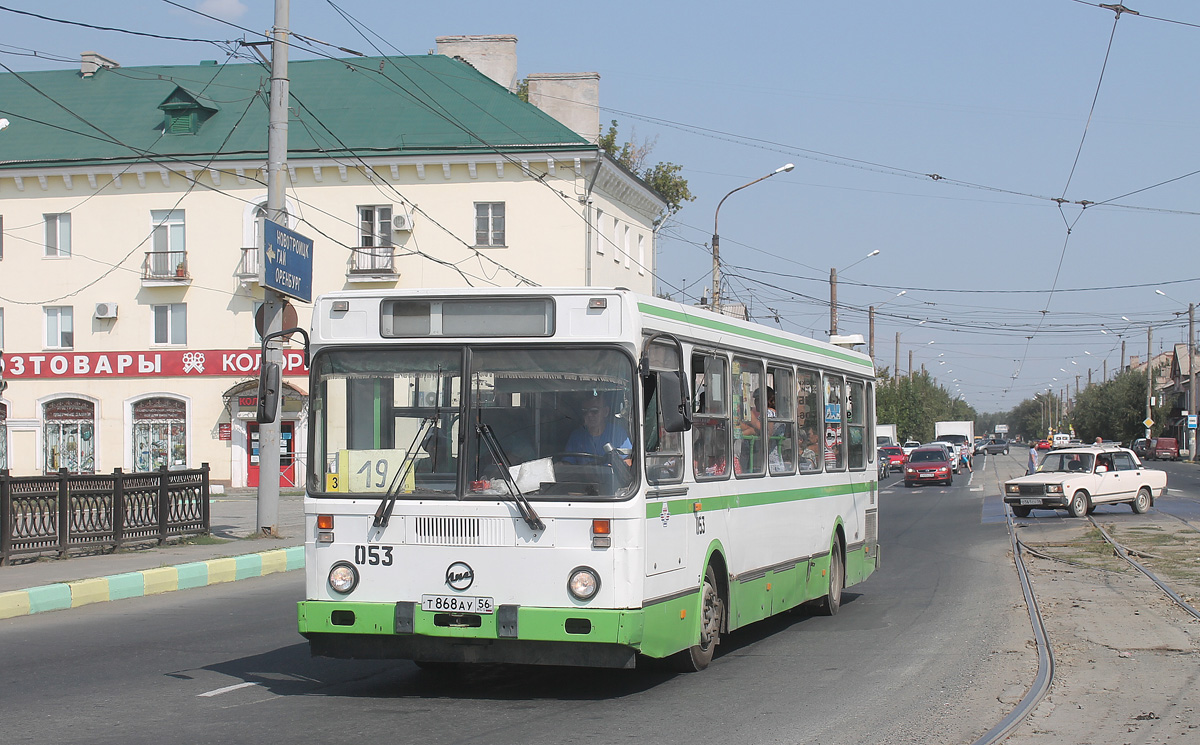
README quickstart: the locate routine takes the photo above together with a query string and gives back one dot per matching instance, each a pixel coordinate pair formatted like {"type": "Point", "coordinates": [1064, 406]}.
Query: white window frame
{"type": "Point", "coordinates": [641, 254]}
{"type": "Point", "coordinates": [599, 231]}
{"type": "Point", "coordinates": [57, 235]}
{"type": "Point", "coordinates": [52, 318]}
{"type": "Point", "coordinates": [375, 248]}
{"type": "Point", "coordinates": [616, 240]}
{"type": "Point", "coordinates": [175, 318]}
{"type": "Point", "coordinates": [626, 246]}
{"type": "Point", "coordinates": [495, 238]}
{"type": "Point", "coordinates": [168, 242]}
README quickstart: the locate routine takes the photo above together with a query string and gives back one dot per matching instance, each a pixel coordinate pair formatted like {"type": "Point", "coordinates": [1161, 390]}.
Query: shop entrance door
{"type": "Point", "coordinates": [287, 454]}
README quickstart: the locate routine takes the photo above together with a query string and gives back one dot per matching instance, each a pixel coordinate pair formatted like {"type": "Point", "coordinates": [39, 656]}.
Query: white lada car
{"type": "Point", "coordinates": [1077, 479]}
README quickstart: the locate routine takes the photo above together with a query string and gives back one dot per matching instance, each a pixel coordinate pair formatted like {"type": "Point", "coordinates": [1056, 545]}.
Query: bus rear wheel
{"type": "Point", "coordinates": [832, 602]}
{"type": "Point", "coordinates": [712, 620]}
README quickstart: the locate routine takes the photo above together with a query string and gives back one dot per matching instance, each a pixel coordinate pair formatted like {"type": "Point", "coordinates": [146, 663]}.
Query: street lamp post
{"type": "Point", "coordinates": [833, 318]}
{"type": "Point", "coordinates": [716, 239]}
{"type": "Point", "coordinates": [871, 313]}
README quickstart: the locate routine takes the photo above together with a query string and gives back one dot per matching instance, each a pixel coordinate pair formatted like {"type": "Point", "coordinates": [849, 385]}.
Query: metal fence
{"type": "Point", "coordinates": [61, 512]}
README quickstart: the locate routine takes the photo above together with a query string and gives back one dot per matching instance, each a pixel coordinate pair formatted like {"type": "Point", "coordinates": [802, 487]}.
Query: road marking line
{"type": "Point", "coordinates": [226, 689]}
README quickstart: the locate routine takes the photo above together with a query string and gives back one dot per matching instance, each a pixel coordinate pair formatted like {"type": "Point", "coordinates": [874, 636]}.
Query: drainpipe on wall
{"type": "Point", "coordinates": [586, 200]}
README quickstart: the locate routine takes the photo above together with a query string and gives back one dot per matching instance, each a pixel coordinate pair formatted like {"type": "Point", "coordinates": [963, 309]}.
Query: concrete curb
{"type": "Point", "coordinates": [64, 595]}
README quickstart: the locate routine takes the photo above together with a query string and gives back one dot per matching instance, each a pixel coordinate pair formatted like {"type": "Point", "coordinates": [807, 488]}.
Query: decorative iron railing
{"type": "Point", "coordinates": [61, 512]}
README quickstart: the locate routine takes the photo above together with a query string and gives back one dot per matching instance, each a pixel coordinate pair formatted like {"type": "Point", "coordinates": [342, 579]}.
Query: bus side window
{"type": "Point", "coordinates": [664, 450]}
{"type": "Point", "coordinates": [710, 427]}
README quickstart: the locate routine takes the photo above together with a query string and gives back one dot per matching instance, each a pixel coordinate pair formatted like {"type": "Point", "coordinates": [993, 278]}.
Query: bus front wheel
{"type": "Point", "coordinates": [712, 619]}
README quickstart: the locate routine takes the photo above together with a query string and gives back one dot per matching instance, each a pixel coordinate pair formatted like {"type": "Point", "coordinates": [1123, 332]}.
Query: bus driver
{"type": "Point", "coordinates": [599, 429]}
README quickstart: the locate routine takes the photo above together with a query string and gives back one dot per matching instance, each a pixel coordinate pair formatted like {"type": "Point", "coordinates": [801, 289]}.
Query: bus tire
{"type": "Point", "coordinates": [712, 620]}
{"type": "Point", "coordinates": [832, 602]}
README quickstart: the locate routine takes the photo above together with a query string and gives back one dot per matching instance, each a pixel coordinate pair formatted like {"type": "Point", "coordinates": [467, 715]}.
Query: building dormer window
{"type": "Point", "coordinates": [184, 113]}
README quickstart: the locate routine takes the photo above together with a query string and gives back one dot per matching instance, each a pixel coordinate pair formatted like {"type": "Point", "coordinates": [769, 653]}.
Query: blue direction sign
{"type": "Point", "coordinates": [287, 262]}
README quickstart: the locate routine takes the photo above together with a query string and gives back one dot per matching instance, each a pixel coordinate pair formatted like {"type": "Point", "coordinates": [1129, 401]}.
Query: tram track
{"type": "Point", "coordinates": [1077, 679]}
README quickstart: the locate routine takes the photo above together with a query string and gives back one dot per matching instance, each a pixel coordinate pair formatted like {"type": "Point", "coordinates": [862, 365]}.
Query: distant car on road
{"type": "Point", "coordinates": [993, 447]}
{"type": "Point", "coordinates": [1165, 448]}
{"type": "Point", "coordinates": [928, 463]}
{"type": "Point", "coordinates": [909, 446]}
{"type": "Point", "coordinates": [1141, 447]}
{"type": "Point", "coordinates": [1078, 479]}
{"type": "Point", "coordinates": [1043, 445]}
{"type": "Point", "coordinates": [893, 456]}
{"type": "Point", "coordinates": [952, 453]}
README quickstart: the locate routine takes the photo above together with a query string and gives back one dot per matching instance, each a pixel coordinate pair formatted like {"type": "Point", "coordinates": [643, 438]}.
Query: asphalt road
{"type": "Point", "coordinates": [912, 657]}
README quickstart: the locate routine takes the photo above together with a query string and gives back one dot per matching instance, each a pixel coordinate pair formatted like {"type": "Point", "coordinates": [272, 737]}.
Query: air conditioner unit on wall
{"type": "Point", "coordinates": [401, 221]}
{"type": "Point", "coordinates": [106, 310]}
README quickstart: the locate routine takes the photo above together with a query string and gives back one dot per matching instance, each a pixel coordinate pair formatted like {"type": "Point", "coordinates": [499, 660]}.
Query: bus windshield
{"type": "Point", "coordinates": [552, 423]}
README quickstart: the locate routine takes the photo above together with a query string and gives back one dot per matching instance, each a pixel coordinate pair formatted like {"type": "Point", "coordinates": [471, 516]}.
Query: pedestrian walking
{"type": "Point", "coordinates": [1033, 458]}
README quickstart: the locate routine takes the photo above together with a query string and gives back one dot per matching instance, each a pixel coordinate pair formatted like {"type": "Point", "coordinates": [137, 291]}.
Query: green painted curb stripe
{"type": "Point", "coordinates": [133, 584]}
{"type": "Point", "coordinates": [716, 325]}
{"type": "Point", "coordinates": [49, 597]}
{"type": "Point", "coordinates": [758, 499]}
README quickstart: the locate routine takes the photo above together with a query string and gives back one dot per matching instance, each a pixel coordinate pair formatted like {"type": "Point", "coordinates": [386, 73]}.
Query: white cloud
{"type": "Point", "coordinates": [228, 10]}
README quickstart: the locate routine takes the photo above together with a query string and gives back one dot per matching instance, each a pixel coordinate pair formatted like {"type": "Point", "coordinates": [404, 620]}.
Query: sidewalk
{"type": "Point", "coordinates": [49, 584]}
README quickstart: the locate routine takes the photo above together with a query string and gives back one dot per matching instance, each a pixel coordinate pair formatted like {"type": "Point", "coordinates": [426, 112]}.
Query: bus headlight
{"type": "Point", "coordinates": [343, 577]}
{"type": "Point", "coordinates": [583, 583]}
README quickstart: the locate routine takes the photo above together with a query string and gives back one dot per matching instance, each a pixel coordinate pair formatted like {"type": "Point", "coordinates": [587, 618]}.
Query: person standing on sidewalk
{"type": "Point", "coordinates": [1033, 458]}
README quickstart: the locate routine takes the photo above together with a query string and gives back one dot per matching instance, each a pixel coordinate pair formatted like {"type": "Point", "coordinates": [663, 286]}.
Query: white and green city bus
{"type": "Point", "coordinates": [574, 476]}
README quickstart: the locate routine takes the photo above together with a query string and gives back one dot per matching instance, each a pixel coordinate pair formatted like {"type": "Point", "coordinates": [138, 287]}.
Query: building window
{"type": "Point", "coordinates": [159, 434]}
{"type": "Point", "coordinates": [60, 327]}
{"type": "Point", "coordinates": [600, 231]}
{"type": "Point", "coordinates": [58, 235]}
{"type": "Point", "coordinates": [170, 323]}
{"type": "Point", "coordinates": [489, 223]}
{"type": "Point", "coordinates": [169, 257]}
{"type": "Point", "coordinates": [374, 239]}
{"type": "Point", "coordinates": [616, 240]}
{"type": "Point", "coordinates": [641, 254]}
{"type": "Point", "coordinates": [69, 429]}
{"type": "Point", "coordinates": [626, 246]}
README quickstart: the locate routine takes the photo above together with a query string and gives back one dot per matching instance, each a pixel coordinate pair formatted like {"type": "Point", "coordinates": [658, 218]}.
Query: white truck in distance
{"type": "Point", "coordinates": [961, 434]}
{"type": "Point", "coordinates": [885, 434]}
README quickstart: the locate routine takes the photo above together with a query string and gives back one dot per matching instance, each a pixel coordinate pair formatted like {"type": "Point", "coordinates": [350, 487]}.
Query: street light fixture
{"type": "Point", "coordinates": [716, 240]}
{"type": "Point", "coordinates": [833, 319]}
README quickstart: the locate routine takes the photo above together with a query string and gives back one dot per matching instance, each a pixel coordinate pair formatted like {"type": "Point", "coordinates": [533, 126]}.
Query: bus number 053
{"type": "Point", "coordinates": [373, 555]}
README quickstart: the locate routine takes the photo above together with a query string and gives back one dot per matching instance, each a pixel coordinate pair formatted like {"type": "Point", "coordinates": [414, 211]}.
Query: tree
{"type": "Point", "coordinates": [915, 403]}
{"type": "Point", "coordinates": [662, 177]}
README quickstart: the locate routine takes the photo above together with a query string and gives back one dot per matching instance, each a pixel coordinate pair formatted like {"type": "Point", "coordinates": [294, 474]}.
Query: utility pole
{"type": "Point", "coordinates": [1192, 375]}
{"type": "Point", "coordinates": [1105, 379]}
{"type": "Point", "coordinates": [833, 301]}
{"type": "Point", "coordinates": [1149, 373]}
{"type": "Point", "coordinates": [277, 149]}
{"type": "Point", "coordinates": [1121, 368]}
{"type": "Point", "coordinates": [910, 370]}
{"type": "Point", "coordinates": [871, 332]}
{"type": "Point", "coordinates": [1089, 385]}
{"type": "Point", "coordinates": [897, 373]}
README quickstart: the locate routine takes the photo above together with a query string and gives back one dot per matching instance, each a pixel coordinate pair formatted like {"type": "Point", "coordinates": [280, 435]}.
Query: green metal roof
{"type": "Point", "coordinates": [362, 105]}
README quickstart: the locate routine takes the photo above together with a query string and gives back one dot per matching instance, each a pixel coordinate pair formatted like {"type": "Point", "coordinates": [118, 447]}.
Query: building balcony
{"type": "Point", "coordinates": [165, 269]}
{"type": "Point", "coordinates": [372, 264]}
{"type": "Point", "coordinates": [248, 269]}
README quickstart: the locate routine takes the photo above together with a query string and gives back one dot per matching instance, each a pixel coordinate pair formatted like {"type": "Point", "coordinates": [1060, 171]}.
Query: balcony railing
{"type": "Point", "coordinates": [248, 269]}
{"type": "Point", "coordinates": [165, 265]}
{"type": "Point", "coordinates": [372, 260]}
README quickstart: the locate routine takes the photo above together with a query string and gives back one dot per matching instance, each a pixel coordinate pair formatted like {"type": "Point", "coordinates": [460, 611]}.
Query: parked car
{"type": "Point", "coordinates": [992, 447]}
{"type": "Point", "coordinates": [1141, 447]}
{"type": "Point", "coordinates": [1043, 444]}
{"type": "Point", "coordinates": [928, 463]}
{"type": "Point", "coordinates": [1166, 448]}
{"type": "Point", "coordinates": [909, 446]}
{"type": "Point", "coordinates": [894, 456]}
{"type": "Point", "coordinates": [1078, 479]}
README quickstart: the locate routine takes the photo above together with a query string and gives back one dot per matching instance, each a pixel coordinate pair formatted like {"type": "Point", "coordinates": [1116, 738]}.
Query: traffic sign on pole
{"type": "Point", "coordinates": [1148, 423]}
{"type": "Point", "coordinates": [287, 262]}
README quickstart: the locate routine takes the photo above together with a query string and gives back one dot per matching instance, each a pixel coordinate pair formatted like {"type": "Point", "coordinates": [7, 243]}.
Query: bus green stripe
{"type": "Point", "coordinates": [711, 322]}
{"type": "Point", "coordinates": [754, 499]}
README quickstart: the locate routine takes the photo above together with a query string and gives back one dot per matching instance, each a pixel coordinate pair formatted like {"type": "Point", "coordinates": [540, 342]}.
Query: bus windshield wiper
{"type": "Point", "coordinates": [527, 512]}
{"type": "Point", "coordinates": [384, 512]}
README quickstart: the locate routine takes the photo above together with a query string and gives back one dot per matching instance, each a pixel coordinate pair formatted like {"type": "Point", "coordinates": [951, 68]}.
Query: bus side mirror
{"type": "Point", "coordinates": [268, 392]}
{"type": "Point", "coordinates": [675, 414]}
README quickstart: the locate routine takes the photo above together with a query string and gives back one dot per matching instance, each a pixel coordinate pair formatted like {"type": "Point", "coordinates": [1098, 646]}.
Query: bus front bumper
{"type": "Point", "coordinates": [515, 634]}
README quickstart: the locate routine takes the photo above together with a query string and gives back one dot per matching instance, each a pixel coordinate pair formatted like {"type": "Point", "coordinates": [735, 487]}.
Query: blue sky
{"type": "Point", "coordinates": [867, 99]}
